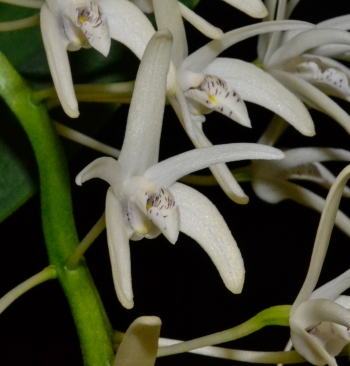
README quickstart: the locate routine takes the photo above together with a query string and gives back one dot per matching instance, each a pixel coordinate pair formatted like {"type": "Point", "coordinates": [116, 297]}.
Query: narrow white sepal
{"type": "Point", "coordinates": [104, 168]}
{"type": "Point", "coordinates": [140, 343]}
{"type": "Point", "coordinates": [313, 97]}
{"type": "Point", "coordinates": [141, 142]}
{"type": "Point", "coordinates": [56, 52]}
{"type": "Point", "coordinates": [200, 23]}
{"type": "Point", "coordinates": [165, 173]}
{"type": "Point", "coordinates": [119, 251]}
{"type": "Point", "coordinates": [201, 220]}
{"type": "Point", "coordinates": [254, 8]}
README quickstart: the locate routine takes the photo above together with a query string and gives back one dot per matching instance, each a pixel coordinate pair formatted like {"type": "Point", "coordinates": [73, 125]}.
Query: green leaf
{"type": "Point", "coordinates": [17, 166]}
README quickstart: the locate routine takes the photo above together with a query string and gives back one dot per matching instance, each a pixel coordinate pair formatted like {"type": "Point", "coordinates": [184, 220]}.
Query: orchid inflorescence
{"type": "Point", "coordinates": [300, 67]}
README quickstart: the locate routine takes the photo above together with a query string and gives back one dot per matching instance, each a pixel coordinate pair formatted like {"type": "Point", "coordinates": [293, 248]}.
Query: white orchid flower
{"type": "Point", "coordinates": [140, 343]}
{"type": "Point", "coordinates": [254, 8]}
{"type": "Point", "coordinates": [144, 200]}
{"type": "Point", "coordinates": [320, 320]}
{"type": "Point", "coordinates": [271, 181]}
{"type": "Point", "coordinates": [72, 24]}
{"type": "Point", "coordinates": [205, 84]}
{"type": "Point", "coordinates": [301, 60]}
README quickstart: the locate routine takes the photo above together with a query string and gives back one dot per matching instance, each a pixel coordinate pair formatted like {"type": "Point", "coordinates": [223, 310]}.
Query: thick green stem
{"type": "Point", "coordinates": [61, 238]}
{"type": "Point", "coordinates": [276, 315]}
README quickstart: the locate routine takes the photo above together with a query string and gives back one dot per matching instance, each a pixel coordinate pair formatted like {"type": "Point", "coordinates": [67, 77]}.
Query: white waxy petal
{"type": "Point", "coordinates": [329, 215]}
{"type": "Point", "coordinates": [201, 220]}
{"type": "Point", "coordinates": [119, 251]}
{"type": "Point", "coordinates": [165, 173]}
{"type": "Point", "coordinates": [163, 211]}
{"type": "Point", "coordinates": [200, 59]}
{"type": "Point", "coordinates": [104, 168]}
{"type": "Point", "coordinates": [145, 5]}
{"type": "Point", "coordinates": [338, 51]}
{"type": "Point", "coordinates": [213, 94]}
{"type": "Point", "coordinates": [141, 142]}
{"type": "Point", "coordinates": [128, 25]}
{"type": "Point", "coordinates": [200, 23]}
{"type": "Point", "coordinates": [254, 8]}
{"type": "Point", "coordinates": [140, 343]}
{"type": "Point", "coordinates": [313, 97]}
{"type": "Point", "coordinates": [305, 41]}
{"type": "Point", "coordinates": [262, 89]}
{"type": "Point", "coordinates": [168, 16]}
{"type": "Point", "coordinates": [56, 51]}
{"type": "Point", "coordinates": [92, 22]}
{"type": "Point", "coordinates": [332, 289]}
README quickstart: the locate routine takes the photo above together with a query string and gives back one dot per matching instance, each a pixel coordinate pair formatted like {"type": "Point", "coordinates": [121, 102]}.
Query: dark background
{"type": "Point", "coordinates": [178, 282]}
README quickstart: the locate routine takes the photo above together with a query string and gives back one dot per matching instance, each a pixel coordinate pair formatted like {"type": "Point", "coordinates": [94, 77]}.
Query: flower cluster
{"type": "Point", "coordinates": [299, 67]}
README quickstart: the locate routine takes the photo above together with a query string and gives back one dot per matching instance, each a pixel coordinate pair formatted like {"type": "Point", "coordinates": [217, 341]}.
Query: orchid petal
{"type": "Point", "coordinates": [140, 343]}
{"type": "Point", "coordinates": [141, 142]}
{"type": "Point", "coordinates": [254, 8]}
{"type": "Point", "coordinates": [331, 290]}
{"type": "Point", "coordinates": [262, 89]}
{"type": "Point", "coordinates": [342, 22]}
{"type": "Point", "coordinates": [119, 251]}
{"type": "Point", "coordinates": [165, 173]}
{"type": "Point", "coordinates": [56, 51]}
{"type": "Point", "coordinates": [201, 58]}
{"type": "Point", "coordinates": [201, 220]}
{"type": "Point", "coordinates": [290, 7]}
{"type": "Point", "coordinates": [338, 51]}
{"type": "Point", "coordinates": [313, 97]}
{"type": "Point", "coordinates": [213, 94]}
{"type": "Point", "coordinates": [316, 173]}
{"type": "Point", "coordinates": [264, 39]}
{"type": "Point", "coordinates": [145, 5]}
{"type": "Point", "coordinates": [200, 23]}
{"type": "Point", "coordinates": [168, 16]}
{"type": "Point", "coordinates": [274, 131]}
{"type": "Point", "coordinates": [104, 168]}
{"type": "Point", "coordinates": [305, 41]}
{"type": "Point", "coordinates": [128, 25]}
{"type": "Point", "coordinates": [330, 214]}
{"type": "Point", "coordinates": [275, 37]}
{"type": "Point", "coordinates": [306, 155]}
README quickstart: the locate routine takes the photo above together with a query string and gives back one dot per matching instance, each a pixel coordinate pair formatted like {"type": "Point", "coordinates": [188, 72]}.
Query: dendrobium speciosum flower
{"type": "Point", "coordinates": [320, 320]}
{"type": "Point", "coordinates": [144, 200]}
{"type": "Point", "coordinates": [140, 343]}
{"type": "Point", "coordinates": [301, 60]}
{"type": "Point", "coordinates": [272, 181]}
{"type": "Point", "coordinates": [206, 84]}
{"type": "Point", "coordinates": [72, 24]}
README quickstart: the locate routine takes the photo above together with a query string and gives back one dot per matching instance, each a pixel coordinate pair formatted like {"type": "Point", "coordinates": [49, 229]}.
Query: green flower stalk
{"type": "Point", "coordinates": [59, 229]}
